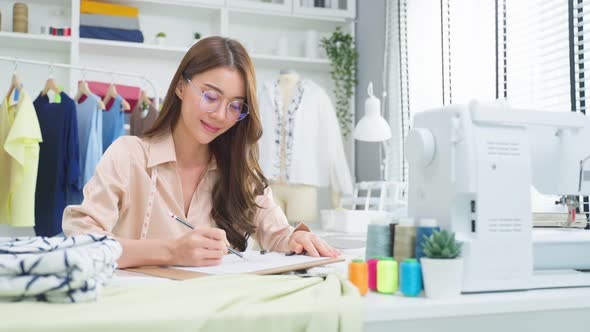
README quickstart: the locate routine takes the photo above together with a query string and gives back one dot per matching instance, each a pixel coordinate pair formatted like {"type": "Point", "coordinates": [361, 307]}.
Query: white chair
{"type": "Point", "coordinates": [378, 195]}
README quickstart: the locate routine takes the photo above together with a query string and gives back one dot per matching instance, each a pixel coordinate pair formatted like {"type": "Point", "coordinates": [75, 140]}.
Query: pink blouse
{"type": "Point", "coordinates": [136, 184]}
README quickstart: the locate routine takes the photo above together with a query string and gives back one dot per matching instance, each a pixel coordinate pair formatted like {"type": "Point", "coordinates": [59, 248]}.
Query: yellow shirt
{"type": "Point", "coordinates": [20, 136]}
{"type": "Point", "coordinates": [136, 184]}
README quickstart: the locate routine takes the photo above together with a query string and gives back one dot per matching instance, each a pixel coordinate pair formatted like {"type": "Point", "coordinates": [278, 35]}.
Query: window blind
{"type": "Point", "coordinates": [536, 61]}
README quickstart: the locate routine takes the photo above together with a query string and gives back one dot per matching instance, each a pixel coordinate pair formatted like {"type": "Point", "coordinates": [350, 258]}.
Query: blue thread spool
{"type": "Point", "coordinates": [425, 228]}
{"type": "Point", "coordinates": [410, 277]}
{"type": "Point", "coordinates": [378, 240]}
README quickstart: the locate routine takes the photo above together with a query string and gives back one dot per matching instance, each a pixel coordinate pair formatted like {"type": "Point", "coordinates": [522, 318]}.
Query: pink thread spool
{"type": "Point", "coordinates": [373, 272]}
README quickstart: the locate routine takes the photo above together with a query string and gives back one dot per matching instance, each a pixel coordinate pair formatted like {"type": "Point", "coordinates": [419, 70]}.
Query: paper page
{"type": "Point", "coordinates": [233, 264]}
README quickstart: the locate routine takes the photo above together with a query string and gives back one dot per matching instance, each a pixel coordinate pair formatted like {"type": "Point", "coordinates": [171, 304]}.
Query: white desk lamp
{"type": "Point", "coordinates": [373, 127]}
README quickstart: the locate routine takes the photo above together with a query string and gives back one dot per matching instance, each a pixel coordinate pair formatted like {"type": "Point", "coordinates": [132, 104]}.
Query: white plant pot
{"type": "Point", "coordinates": [160, 40]}
{"type": "Point", "coordinates": [443, 278]}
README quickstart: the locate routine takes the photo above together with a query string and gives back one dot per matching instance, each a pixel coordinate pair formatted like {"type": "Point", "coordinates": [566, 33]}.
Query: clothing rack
{"type": "Point", "coordinates": [83, 70]}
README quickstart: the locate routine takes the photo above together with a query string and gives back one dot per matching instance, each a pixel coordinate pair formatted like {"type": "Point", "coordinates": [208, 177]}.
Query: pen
{"type": "Point", "coordinates": [189, 225]}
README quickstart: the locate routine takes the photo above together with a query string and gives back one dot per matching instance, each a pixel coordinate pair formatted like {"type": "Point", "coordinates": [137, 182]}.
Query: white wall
{"type": "Point", "coordinates": [370, 37]}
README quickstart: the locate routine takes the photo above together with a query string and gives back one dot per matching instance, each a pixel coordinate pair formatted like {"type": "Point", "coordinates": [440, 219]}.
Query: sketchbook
{"type": "Point", "coordinates": [255, 263]}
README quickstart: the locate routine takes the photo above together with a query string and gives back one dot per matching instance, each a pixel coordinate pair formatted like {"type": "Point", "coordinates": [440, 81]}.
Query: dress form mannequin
{"type": "Point", "coordinates": [299, 202]}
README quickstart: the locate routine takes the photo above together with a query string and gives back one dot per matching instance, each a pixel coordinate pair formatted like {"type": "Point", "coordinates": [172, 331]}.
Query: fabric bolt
{"type": "Point", "coordinates": [221, 303]}
{"type": "Point", "coordinates": [135, 186]}
{"type": "Point", "coordinates": [89, 117]}
{"type": "Point", "coordinates": [110, 21]}
{"type": "Point", "coordinates": [88, 31]}
{"type": "Point", "coordinates": [20, 136]}
{"type": "Point", "coordinates": [56, 269]}
{"type": "Point", "coordinates": [97, 7]}
{"type": "Point", "coordinates": [405, 242]}
{"type": "Point", "coordinates": [422, 232]}
{"type": "Point", "coordinates": [113, 123]}
{"type": "Point", "coordinates": [314, 152]}
{"type": "Point", "coordinates": [378, 241]}
{"type": "Point", "coordinates": [59, 172]}
{"type": "Point", "coordinates": [390, 250]}
{"type": "Point", "coordinates": [142, 120]}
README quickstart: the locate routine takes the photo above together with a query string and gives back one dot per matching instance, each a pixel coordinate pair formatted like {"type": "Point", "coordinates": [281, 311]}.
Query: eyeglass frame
{"type": "Point", "coordinates": [201, 93]}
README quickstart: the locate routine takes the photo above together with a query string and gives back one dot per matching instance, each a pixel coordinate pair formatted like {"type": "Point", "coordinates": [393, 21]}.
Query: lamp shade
{"type": "Point", "coordinates": [372, 127]}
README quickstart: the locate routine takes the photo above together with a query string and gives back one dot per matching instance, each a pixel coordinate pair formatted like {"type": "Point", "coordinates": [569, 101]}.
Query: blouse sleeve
{"type": "Point", "coordinates": [104, 195]}
{"type": "Point", "coordinates": [272, 229]}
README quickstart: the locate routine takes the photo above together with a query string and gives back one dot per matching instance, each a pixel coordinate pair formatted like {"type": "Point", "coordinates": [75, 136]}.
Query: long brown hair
{"type": "Point", "coordinates": [236, 151]}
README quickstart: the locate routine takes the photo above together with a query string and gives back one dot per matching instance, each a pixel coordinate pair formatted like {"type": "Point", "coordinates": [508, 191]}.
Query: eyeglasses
{"type": "Point", "coordinates": [236, 109]}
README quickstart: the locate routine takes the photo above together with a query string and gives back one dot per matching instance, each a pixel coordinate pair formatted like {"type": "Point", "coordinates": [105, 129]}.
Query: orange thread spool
{"type": "Point", "coordinates": [358, 274]}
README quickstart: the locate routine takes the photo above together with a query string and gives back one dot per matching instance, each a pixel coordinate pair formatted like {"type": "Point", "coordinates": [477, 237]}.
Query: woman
{"type": "Point", "coordinates": [199, 162]}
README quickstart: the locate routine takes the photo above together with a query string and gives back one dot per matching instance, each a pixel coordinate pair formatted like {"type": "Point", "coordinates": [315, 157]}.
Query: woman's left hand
{"type": "Point", "coordinates": [313, 246]}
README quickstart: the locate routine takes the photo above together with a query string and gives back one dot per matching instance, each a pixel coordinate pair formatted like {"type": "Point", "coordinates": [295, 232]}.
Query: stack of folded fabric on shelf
{"type": "Point", "coordinates": [130, 93]}
{"type": "Point", "coordinates": [57, 269]}
{"type": "Point", "coordinates": [109, 21]}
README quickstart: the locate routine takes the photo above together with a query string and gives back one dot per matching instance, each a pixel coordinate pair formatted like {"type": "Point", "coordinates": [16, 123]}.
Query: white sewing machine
{"type": "Point", "coordinates": [472, 167]}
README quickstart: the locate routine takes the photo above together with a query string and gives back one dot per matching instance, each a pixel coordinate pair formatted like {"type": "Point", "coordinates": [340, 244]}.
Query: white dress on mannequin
{"type": "Point", "coordinates": [298, 201]}
{"type": "Point", "coordinates": [301, 146]}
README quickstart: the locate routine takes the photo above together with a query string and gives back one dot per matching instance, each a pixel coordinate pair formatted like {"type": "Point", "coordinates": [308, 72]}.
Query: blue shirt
{"type": "Point", "coordinates": [113, 123]}
{"type": "Point", "coordinates": [58, 175]}
{"type": "Point", "coordinates": [90, 139]}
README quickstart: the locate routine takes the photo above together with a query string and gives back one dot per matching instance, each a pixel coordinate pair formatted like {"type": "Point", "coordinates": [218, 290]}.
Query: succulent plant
{"type": "Point", "coordinates": [441, 245]}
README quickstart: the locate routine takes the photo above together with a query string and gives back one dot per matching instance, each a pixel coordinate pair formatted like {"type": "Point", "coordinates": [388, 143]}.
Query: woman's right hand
{"type": "Point", "coordinates": [203, 246]}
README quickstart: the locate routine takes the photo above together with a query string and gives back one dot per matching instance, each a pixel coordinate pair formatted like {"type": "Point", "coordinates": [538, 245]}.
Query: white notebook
{"type": "Point", "coordinates": [254, 262]}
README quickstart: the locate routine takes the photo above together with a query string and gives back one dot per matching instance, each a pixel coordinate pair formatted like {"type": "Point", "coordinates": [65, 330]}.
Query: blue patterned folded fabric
{"type": "Point", "coordinates": [70, 269]}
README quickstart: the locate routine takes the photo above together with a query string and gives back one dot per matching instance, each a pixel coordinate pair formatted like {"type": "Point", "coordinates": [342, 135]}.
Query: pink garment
{"type": "Point", "coordinates": [130, 93]}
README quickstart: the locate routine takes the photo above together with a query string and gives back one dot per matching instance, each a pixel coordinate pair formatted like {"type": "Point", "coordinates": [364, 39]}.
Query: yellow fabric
{"type": "Point", "coordinates": [20, 136]}
{"type": "Point", "coordinates": [217, 303]}
{"type": "Point", "coordinates": [95, 7]}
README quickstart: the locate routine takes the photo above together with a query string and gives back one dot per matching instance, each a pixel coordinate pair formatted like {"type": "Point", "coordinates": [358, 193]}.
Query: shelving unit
{"type": "Point", "coordinates": [34, 42]}
{"type": "Point", "coordinates": [345, 9]}
{"type": "Point", "coordinates": [284, 6]}
{"type": "Point", "coordinates": [258, 24]}
{"type": "Point", "coordinates": [293, 62]}
{"type": "Point", "coordinates": [130, 50]}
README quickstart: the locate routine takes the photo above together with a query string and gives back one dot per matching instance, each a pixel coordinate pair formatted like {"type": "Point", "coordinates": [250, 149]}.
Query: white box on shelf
{"type": "Point", "coordinates": [352, 221]}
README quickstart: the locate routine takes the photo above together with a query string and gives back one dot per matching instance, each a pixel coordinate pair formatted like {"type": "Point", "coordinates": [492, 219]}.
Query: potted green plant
{"type": "Point", "coordinates": [196, 37]}
{"type": "Point", "coordinates": [342, 54]}
{"type": "Point", "coordinates": [160, 38]}
{"type": "Point", "coordinates": [442, 266]}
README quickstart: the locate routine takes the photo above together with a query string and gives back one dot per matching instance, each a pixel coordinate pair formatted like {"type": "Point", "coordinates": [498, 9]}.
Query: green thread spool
{"type": "Point", "coordinates": [404, 245]}
{"type": "Point", "coordinates": [387, 275]}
